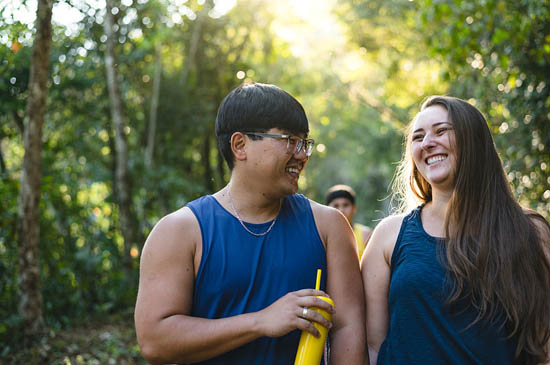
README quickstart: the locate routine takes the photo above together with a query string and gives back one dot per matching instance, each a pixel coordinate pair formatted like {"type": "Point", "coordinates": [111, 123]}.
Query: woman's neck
{"type": "Point", "coordinates": [434, 214]}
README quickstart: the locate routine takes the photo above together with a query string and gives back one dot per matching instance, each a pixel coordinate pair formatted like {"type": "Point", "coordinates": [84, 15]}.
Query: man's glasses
{"type": "Point", "coordinates": [294, 144]}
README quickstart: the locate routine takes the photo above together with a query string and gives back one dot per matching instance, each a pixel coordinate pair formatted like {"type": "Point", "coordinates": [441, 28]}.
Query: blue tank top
{"type": "Point", "coordinates": [423, 329]}
{"type": "Point", "coordinates": [241, 273]}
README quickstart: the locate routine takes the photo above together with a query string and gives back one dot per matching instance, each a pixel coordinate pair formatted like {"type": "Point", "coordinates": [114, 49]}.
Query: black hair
{"type": "Point", "coordinates": [340, 191]}
{"type": "Point", "coordinates": [257, 108]}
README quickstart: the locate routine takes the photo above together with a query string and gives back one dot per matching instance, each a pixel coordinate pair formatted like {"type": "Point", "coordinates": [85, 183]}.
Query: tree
{"type": "Point", "coordinates": [30, 299]}
{"type": "Point", "coordinates": [497, 54]}
{"type": "Point", "coordinates": [494, 53]}
{"type": "Point", "coordinates": [157, 76]}
{"type": "Point", "coordinates": [122, 182]}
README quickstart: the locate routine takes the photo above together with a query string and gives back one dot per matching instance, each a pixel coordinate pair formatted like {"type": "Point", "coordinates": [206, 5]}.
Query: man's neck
{"type": "Point", "coordinates": [251, 204]}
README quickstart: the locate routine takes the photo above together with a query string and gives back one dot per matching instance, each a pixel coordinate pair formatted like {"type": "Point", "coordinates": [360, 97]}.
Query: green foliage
{"type": "Point", "coordinates": [8, 255]}
{"type": "Point", "coordinates": [498, 54]}
{"type": "Point", "coordinates": [494, 53]}
{"type": "Point", "coordinates": [80, 241]}
{"type": "Point", "coordinates": [358, 93]}
{"type": "Point", "coordinates": [107, 340]}
{"type": "Point", "coordinates": [12, 90]}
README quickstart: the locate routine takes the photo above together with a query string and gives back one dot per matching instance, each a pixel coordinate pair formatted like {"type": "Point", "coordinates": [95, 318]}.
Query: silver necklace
{"type": "Point", "coordinates": [242, 223]}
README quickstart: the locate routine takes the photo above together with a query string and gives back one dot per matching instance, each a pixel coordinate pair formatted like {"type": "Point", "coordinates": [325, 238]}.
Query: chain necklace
{"type": "Point", "coordinates": [242, 223]}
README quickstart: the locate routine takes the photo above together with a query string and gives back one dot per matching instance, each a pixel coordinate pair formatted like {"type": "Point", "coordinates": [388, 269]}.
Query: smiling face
{"type": "Point", "coordinates": [432, 147]}
{"type": "Point", "coordinates": [275, 166]}
{"type": "Point", "coordinates": [257, 107]}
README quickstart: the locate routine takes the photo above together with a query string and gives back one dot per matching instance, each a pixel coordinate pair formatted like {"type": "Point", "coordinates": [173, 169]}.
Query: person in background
{"type": "Point", "coordinates": [342, 197]}
{"type": "Point", "coordinates": [229, 278]}
{"type": "Point", "coordinates": [464, 277]}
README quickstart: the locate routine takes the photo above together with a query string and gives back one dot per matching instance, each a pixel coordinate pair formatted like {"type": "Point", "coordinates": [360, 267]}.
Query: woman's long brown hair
{"type": "Point", "coordinates": [495, 252]}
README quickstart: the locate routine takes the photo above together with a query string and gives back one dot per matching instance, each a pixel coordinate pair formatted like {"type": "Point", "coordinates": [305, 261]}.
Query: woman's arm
{"type": "Point", "coordinates": [375, 269]}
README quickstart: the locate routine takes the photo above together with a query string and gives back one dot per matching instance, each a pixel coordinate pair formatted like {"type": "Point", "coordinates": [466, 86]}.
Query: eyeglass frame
{"type": "Point", "coordinates": [307, 146]}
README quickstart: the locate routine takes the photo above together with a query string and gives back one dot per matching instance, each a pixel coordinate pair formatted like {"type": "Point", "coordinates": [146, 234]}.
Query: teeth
{"type": "Point", "coordinates": [434, 159]}
{"type": "Point", "coordinates": [293, 170]}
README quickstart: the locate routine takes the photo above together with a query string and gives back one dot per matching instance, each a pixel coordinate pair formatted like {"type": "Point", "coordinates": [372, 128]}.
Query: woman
{"type": "Point", "coordinates": [464, 278]}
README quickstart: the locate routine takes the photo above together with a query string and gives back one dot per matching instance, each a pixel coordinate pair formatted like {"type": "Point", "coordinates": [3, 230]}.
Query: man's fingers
{"type": "Point", "coordinates": [314, 316]}
{"type": "Point", "coordinates": [307, 326]}
{"type": "Point", "coordinates": [311, 315]}
{"type": "Point", "coordinates": [310, 292]}
{"type": "Point", "coordinates": [313, 301]}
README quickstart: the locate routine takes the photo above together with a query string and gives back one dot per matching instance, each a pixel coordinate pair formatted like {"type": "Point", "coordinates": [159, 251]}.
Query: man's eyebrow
{"type": "Point", "coordinates": [292, 134]}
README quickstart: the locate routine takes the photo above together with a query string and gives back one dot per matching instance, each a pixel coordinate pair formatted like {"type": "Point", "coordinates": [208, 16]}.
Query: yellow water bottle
{"type": "Point", "coordinates": [310, 348]}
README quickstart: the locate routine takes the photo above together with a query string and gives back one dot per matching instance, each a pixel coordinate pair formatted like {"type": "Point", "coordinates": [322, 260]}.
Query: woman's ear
{"type": "Point", "coordinates": [238, 145]}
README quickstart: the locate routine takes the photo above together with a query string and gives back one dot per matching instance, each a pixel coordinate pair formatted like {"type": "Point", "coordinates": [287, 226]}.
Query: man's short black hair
{"type": "Point", "coordinates": [340, 191]}
{"type": "Point", "coordinates": [257, 108]}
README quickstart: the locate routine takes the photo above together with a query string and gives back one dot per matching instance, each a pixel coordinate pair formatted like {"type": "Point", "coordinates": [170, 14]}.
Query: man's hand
{"type": "Point", "coordinates": [287, 313]}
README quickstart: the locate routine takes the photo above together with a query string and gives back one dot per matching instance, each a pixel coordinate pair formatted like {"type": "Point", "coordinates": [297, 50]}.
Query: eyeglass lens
{"type": "Point", "coordinates": [299, 142]}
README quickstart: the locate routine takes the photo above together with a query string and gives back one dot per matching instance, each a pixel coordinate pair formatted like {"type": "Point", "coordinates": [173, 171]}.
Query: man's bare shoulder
{"type": "Point", "coordinates": [324, 211]}
{"type": "Point", "coordinates": [327, 217]}
{"type": "Point", "coordinates": [174, 232]}
{"type": "Point", "coordinates": [181, 220]}
{"type": "Point", "coordinates": [183, 216]}
{"type": "Point", "coordinates": [332, 225]}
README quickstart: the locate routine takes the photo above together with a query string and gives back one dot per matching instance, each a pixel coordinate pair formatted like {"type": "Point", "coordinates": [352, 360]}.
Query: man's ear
{"type": "Point", "coordinates": [238, 145]}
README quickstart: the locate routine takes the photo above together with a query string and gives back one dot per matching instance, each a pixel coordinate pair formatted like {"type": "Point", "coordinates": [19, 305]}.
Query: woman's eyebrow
{"type": "Point", "coordinates": [433, 125]}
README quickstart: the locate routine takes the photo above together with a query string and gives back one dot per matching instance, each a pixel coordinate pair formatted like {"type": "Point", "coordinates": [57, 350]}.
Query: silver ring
{"type": "Point", "coordinates": [304, 312]}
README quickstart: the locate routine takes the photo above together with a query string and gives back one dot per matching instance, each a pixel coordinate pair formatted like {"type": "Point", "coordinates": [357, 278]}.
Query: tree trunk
{"type": "Point", "coordinates": [150, 149]}
{"type": "Point", "coordinates": [197, 30]}
{"type": "Point", "coordinates": [122, 183]}
{"type": "Point", "coordinates": [3, 169]}
{"type": "Point", "coordinates": [30, 298]}
{"type": "Point", "coordinates": [221, 168]}
{"type": "Point", "coordinates": [208, 176]}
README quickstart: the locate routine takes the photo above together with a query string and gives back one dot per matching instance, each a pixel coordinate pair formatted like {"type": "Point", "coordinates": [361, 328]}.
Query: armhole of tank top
{"type": "Point", "coordinates": [199, 271]}
{"type": "Point", "coordinates": [398, 240]}
{"type": "Point", "coordinates": [312, 216]}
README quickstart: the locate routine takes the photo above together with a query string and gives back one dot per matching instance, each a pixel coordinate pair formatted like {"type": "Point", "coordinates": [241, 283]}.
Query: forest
{"type": "Point", "coordinates": [107, 111]}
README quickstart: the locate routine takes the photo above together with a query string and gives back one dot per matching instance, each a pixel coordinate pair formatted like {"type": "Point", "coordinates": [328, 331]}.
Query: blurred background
{"type": "Point", "coordinates": [360, 68]}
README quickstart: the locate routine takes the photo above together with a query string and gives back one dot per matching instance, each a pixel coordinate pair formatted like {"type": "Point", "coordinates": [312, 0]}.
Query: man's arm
{"type": "Point", "coordinates": [348, 341]}
{"type": "Point", "coordinates": [375, 269]}
{"type": "Point", "coordinates": [165, 330]}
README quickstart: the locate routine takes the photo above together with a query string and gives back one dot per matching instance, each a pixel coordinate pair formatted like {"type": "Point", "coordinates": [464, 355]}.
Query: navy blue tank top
{"type": "Point", "coordinates": [241, 273]}
{"type": "Point", "coordinates": [423, 329]}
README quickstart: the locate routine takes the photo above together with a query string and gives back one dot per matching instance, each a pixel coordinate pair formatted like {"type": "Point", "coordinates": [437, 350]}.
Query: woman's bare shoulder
{"type": "Point", "coordinates": [385, 235]}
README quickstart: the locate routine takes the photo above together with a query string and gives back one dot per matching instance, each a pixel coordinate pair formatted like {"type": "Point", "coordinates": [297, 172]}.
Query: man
{"type": "Point", "coordinates": [228, 279]}
{"type": "Point", "coordinates": [342, 197]}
